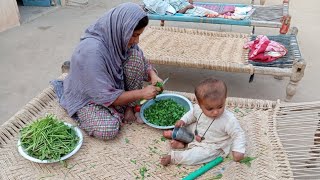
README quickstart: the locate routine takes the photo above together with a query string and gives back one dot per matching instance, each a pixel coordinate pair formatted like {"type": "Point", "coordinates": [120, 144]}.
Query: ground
{"type": "Point", "coordinates": [31, 55]}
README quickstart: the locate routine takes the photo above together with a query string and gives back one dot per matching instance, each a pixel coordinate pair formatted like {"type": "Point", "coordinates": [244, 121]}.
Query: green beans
{"type": "Point", "coordinates": [164, 112]}
{"type": "Point", "coordinates": [48, 139]}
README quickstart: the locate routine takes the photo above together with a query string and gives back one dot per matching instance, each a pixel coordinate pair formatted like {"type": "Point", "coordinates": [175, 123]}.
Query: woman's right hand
{"type": "Point", "coordinates": [179, 123]}
{"type": "Point", "coordinates": [150, 91]}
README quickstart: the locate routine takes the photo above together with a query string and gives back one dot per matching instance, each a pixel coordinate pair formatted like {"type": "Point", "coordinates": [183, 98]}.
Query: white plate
{"type": "Point", "coordinates": [79, 134]}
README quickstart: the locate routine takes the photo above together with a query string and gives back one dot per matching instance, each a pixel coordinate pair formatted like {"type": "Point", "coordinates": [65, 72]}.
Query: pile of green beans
{"type": "Point", "coordinates": [48, 139]}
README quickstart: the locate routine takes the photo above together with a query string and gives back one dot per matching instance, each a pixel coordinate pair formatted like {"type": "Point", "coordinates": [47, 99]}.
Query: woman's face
{"type": "Point", "coordinates": [135, 37]}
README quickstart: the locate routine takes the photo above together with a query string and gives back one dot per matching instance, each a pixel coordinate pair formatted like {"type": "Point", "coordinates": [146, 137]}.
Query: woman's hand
{"type": "Point", "coordinates": [180, 123]}
{"type": "Point", "coordinates": [154, 78]}
{"type": "Point", "coordinates": [150, 91]}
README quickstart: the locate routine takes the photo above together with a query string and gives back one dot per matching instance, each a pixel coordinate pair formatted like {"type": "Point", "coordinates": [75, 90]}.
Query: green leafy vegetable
{"type": "Point", "coordinates": [163, 139]}
{"type": "Point", "coordinates": [48, 139]}
{"type": "Point", "coordinates": [219, 176]}
{"type": "Point", "coordinates": [164, 112]}
{"type": "Point", "coordinates": [247, 160]}
{"type": "Point", "coordinates": [159, 84]}
{"type": "Point", "coordinates": [133, 161]}
{"type": "Point", "coordinates": [142, 172]}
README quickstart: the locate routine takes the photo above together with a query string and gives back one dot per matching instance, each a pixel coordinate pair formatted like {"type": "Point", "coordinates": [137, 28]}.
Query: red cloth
{"type": "Point", "coordinates": [264, 50]}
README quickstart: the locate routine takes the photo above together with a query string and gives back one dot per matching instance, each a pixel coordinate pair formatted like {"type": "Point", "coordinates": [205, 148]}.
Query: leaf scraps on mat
{"type": "Point", "coordinates": [247, 160]}
{"type": "Point", "coordinates": [133, 161]}
{"type": "Point", "coordinates": [142, 171]}
{"type": "Point", "coordinates": [219, 176]}
{"type": "Point", "coordinates": [163, 139]}
{"type": "Point", "coordinates": [237, 110]}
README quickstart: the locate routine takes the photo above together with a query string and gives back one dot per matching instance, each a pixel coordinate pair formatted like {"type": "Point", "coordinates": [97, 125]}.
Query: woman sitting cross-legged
{"type": "Point", "coordinates": [107, 71]}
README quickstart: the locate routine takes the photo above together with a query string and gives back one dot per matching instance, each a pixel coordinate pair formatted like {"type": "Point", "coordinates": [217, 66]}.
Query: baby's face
{"type": "Point", "coordinates": [213, 108]}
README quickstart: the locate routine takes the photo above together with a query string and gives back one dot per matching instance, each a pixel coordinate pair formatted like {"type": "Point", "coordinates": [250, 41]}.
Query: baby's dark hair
{"type": "Point", "coordinates": [211, 88]}
{"type": "Point", "coordinates": [142, 23]}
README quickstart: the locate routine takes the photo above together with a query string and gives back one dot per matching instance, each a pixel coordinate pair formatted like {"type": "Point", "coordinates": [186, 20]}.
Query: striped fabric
{"type": "Point", "coordinates": [219, 8]}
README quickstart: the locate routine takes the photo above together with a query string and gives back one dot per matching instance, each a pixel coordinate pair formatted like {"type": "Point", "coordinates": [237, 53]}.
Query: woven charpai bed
{"type": "Point", "coordinates": [221, 51]}
{"type": "Point", "coordinates": [135, 153]}
{"type": "Point", "coordinates": [262, 16]}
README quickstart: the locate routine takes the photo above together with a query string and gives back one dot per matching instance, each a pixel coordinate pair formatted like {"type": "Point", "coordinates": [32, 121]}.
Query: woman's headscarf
{"type": "Point", "coordinates": [96, 72]}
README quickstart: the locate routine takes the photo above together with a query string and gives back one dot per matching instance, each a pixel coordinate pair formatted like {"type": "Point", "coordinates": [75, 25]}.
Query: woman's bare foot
{"type": "Point", "coordinates": [138, 119]}
{"type": "Point", "coordinates": [129, 115]}
{"type": "Point", "coordinates": [165, 160]}
{"type": "Point", "coordinates": [167, 134]}
{"type": "Point", "coordinates": [176, 144]}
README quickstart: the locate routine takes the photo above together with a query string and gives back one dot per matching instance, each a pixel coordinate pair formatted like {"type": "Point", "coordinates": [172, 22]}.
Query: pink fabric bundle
{"type": "Point", "coordinates": [265, 50]}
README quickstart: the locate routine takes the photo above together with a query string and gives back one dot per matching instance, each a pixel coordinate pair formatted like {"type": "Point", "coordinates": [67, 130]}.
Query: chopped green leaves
{"type": "Point", "coordinates": [143, 170]}
{"type": "Point", "coordinates": [133, 161]}
{"type": "Point", "coordinates": [219, 176]}
{"type": "Point", "coordinates": [247, 160]}
{"type": "Point", "coordinates": [164, 112]}
{"type": "Point", "coordinates": [163, 139]}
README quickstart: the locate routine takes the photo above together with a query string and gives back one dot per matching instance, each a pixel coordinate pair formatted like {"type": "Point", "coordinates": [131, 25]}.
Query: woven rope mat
{"type": "Point", "coordinates": [298, 127]}
{"type": "Point", "coordinates": [193, 48]}
{"type": "Point", "coordinates": [140, 146]}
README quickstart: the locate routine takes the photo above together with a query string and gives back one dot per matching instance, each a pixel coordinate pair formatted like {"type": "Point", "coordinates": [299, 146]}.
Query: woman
{"type": "Point", "coordinates": [107, 72]}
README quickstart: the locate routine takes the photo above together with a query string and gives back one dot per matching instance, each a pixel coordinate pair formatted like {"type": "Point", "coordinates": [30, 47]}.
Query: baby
{"type": "Point", "coordinates": [216, 130]}
{"type": "Point", "coordinates": [187, 7]}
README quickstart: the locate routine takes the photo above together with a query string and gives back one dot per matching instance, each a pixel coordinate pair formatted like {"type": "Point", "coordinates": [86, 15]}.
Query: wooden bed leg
{"type": "Point", "coordinates": [162, 23]}
{"type": "Point", "coordinates": [294, 31]}
{"type": "Point", "coordinates": [65, 67]}
{"type": "Point", "coordinates": [297, 74]}
{"type": "Point", "coordinates": [262, 2]}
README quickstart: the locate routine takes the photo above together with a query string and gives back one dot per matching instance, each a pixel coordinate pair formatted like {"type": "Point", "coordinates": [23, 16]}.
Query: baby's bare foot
{"type": "Point", "coordinates": [176, 144]}
{"type": "Point", "coordinates": [165, 160]}
{"type": "Point", "coordinates": [167, 134]}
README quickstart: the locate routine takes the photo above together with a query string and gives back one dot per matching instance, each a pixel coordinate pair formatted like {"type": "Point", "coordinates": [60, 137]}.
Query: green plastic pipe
{"type": "Point", "coordinates": [204, 169]}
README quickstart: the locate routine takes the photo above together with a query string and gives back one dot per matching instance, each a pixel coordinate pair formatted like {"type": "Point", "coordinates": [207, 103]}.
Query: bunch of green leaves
{"type": "Point", "coordinates": [159, 84]}
{"type": "Point", "coordinates": [164, 112]}
{"type": "Point", "coordinates": [48, 139]}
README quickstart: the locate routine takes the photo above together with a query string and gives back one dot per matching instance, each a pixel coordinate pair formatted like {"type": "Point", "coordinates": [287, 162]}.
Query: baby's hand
{"type": "Point", "coordinates": [198, 138]}
{"type": "Point", "coordinates": [237, 156]}
{"type": "Point", "coordinates": [190, 6]}
{"type": "Point", "coordinates": [179, 123]}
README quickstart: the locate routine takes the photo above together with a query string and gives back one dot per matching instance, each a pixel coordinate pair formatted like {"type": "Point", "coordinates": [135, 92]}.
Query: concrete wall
{"type": "Point", "coordinates": [9, 14]}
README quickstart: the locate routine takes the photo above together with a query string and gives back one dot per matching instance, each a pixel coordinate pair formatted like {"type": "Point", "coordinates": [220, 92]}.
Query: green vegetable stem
{"type": "Point", "coordinates": [48, 139]}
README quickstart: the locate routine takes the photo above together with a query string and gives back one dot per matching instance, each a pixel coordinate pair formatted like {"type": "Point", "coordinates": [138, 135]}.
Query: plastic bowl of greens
{"type": "Point", "coordinates": [163, 111]}
{"type": "Point", "coordinates": [49, 140]}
